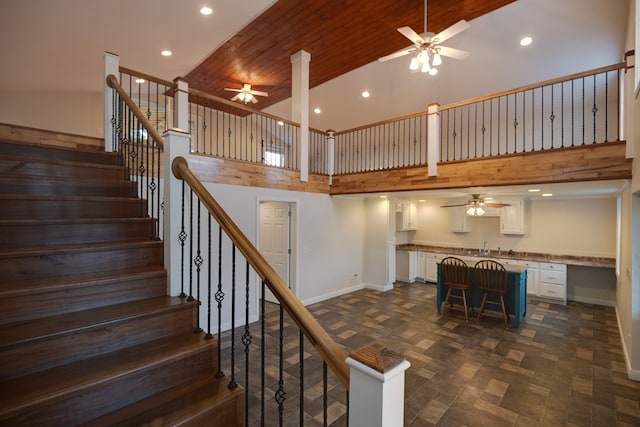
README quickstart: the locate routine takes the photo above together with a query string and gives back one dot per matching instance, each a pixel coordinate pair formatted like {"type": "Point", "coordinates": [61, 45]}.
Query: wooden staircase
{"type": "Point", "coordinates": [88, 334]}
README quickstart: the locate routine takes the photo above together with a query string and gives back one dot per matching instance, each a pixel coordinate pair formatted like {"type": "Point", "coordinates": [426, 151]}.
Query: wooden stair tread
{"type": "Point", "coordinates": [60, 180]}
{"type": "Point", "coordinates": [173, 407]}
{"type": "Point", "coordinates": [58, 382]}
{"type": "Point", "coordinates": [78, 247]}
{"type": "Point", "coordinates": [20, 288]}
{"type": "Point", "coordinates": [61, 162]}
{"type": "Point", "coordinates": [32, 145]}
{"type": "Point", "coordinates": [39, 328]}
{"type": "Point", "coordinates": [99, 198]}
{"type": "Point", "coordinates": [58, 221]}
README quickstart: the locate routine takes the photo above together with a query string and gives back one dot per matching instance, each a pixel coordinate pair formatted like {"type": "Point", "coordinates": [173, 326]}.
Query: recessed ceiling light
{"type": "Point", "coordinates": [383, 197]}
{"type": "Point", "coordinates": [366, 94]}
{"type": "Point", "coordinates": [547, 194]}
{"type": "Point", "coordinates": [206, 10]}
{"type": "Point", "coordinates": [166, 53]}
{"type": "Point", "coordinates": [139, 80]}
{"type": "Point", "coordinates": [317, 110]}
{"type": "Point", "coordinates": [533, 190]}
{"type": "Point", "coordinates": [422, 200]}
{"type": "Point", "coordinates": [526, 41]}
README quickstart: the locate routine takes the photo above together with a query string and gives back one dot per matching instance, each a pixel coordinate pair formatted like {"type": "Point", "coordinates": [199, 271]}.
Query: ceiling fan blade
{"type": "Point", "coordinates": [411, 35]}
{"type": "Point", "coordinates": [236, 97]}
{"type": "Point", "coordinates": [452, 52]}
{"type": "Point", "coordinates": [258, 92]}
{"type": "Point", "coordinates": [397, 54]}
{"type": "Point", "coordinates": [254, 100]}
{"type": "Point", "coordinates": [456, 28]}
{"type": "Point", "coordinates": [496, 205]}
{"type": "Point", "coordinates": [454, 206]}
{"type": "Point", "coordinates": [233, 90]}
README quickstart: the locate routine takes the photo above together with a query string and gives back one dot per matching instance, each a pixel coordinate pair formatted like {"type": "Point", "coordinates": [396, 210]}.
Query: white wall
{"type": "Point", "coordinates": [330, 236]}
{"type": "Point", "coordinates": [376, 236]}
{"type": "Point", "coordinates": [584, 227]}
{"type": "Point", "coordinates": [79, 113]}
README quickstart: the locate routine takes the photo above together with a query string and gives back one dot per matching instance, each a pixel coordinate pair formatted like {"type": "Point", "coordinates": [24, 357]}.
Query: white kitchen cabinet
{"type": "Point", "coordinates": [421, 265]}
{"type": "Point", "coordinates": [552, 281]}
{"type": "Point", "coordinates": [406, 266]}
{"type": "Point", "coordinates": [512, 217]}
{"type": "Point", "coordinates": [406, 216]}
{"type": "Point", "coordinates": [458, 220]}
{"type": "Point", "coordinates": [431, 265]}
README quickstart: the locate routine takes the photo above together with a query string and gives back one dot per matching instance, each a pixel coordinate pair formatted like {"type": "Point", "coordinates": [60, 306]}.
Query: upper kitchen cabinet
{"type": "Point", "coordinates": [512, 217]}
{"type": "Point", "coordinates": [458, 222]}
{"type": "Point", "coordinates": [406, 216]}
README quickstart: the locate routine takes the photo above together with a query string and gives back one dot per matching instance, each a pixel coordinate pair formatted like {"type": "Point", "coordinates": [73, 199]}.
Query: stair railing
{"type": "Point", "coordinates": [230, 308]}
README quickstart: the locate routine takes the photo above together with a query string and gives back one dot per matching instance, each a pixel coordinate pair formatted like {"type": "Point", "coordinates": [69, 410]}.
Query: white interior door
{"type": "Point", "coordinates": [275, 239]}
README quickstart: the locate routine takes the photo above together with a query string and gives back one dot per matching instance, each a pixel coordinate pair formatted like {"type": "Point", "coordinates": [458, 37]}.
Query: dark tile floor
{"type": "Point", "coordinates": [563, 367]}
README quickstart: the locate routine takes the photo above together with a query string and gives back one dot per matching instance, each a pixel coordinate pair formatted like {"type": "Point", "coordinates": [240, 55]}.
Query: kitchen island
{"type": "Point", "coordinates": [515, 298]}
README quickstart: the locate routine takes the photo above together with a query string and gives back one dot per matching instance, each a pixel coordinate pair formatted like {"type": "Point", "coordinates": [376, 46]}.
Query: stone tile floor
{"type": "Point", "coordinates": [563, 367]}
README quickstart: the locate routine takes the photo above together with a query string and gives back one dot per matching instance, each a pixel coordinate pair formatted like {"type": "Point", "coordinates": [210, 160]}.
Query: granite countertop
{"type": "Point", "coordinates": [521, 256]}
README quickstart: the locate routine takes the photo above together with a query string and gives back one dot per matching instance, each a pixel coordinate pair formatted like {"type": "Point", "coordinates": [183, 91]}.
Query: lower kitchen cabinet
{"type": "Point", "coordinates": [406, 266]}
{"type": "Point", "coordinates": [431, 265]}
{"type": "Point", "coordinates": [552, 281]}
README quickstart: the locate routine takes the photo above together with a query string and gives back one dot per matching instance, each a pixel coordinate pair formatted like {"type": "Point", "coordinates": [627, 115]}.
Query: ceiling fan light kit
{"type": "Point", "coordinates": [426, 50]}
{"type": "Point", "coordinates": [476, 205]}
{"type": "Point", "coordinates": [246, 94]}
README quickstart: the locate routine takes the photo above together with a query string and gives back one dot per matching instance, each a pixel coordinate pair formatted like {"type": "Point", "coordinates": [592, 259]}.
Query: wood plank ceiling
{"type": "Point", "coordinates": [340, 35]}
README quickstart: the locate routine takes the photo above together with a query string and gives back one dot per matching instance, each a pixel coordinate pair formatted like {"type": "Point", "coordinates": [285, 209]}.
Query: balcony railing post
{"type": "Point", "coordinates": [433, 139]}
{"type": "Point", "coordinates": [376, 387]}
{"type": "Point", "coordinates": [331, 148]}
{"type": "Point", "coordinates": [181, 105]}
{"type": "Point", "coordinates": [176, 144]}
{"type": "Point", "coordinates": [111, 67]}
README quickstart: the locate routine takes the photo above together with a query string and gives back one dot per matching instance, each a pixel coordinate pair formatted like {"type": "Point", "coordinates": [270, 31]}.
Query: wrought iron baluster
{"type": "Point", "coordinates": [208, 335]}
{"type": "Point", "coordinates": [573, 110]}
{"type": "Point", "coordinates": [301, 362]}
{"type": "Point", "coordinates": [219, 299]}
{"type": "Point", "coordinates": [606, 106]}
{"type": "Point", "coordinates": [281, 395]}
{"type": "Point", "coordinates": [246, 341]}
{"type": "Point", "coordinates": [594, 109]}
{"type": "Point", "coordinates": [515, 122]}
{"type": "Point", "coordinates": [190, 297]}
{"type": "Point", "coordinates": [324, 393]}
{"type": "Point", "coordinates": [263, 321]}
{"type": "Point", "coordinates": [232, 381]}
{"type": "Point", "coordinates": [182, 237]}
{"type": "Point", "coordinates": [583, 106]}
{"type": "Point", "coordinates": [552, 117]}
{"type": "Point", "coordinates": [562, 114]}
{"type": "Point", "coordinates": [198, 260]}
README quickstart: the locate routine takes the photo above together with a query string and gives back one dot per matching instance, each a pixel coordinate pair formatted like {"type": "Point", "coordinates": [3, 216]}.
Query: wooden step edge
{"type": "Point", "coordinates": [62, 163]}
{"type": "Point", "coordinates": [62, 197]}
{"type": "Point", "coordinates": [96, 145]}
{"type": "Point", "coordinates": [176, 406]}
{"type": "Point", "coordinates": [45, 328]}
{"type": "Point", "coordinates": [61, 382]}
{"type": "Point", "coordinates": [71, 221]}
{"type": "Point", "coordinates": [78, 247]}
{"type": "Point", "coordinates": [25, 288]}
{"type": "Point", "coordinates": [61, 180]}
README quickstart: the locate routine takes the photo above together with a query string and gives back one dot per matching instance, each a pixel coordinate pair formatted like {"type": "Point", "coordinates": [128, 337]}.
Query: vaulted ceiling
{"type": "Point", "coordinates": [340, 36]}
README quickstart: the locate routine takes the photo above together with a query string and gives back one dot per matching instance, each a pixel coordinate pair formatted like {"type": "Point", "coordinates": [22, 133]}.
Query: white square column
{"type": "Point", "coordinates": [300, 107]}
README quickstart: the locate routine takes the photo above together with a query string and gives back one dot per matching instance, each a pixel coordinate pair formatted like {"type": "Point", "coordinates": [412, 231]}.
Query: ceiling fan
{"type": "Point", "coordinates": [246, 94]}
{"type": "Point", "coordinates": [426, 49]}
{"type": "Point", "coordinates": [476, 205]}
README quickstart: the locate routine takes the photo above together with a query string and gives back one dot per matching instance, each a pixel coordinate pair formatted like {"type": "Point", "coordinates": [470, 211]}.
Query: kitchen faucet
{"type": "Point", "coordinates": [485, 248]}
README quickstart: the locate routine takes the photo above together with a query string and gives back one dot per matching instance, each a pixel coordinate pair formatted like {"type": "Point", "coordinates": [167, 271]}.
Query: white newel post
{"type": "Point", "coordinates": [181, 105]}
{"type": "Point", "coordinates": [331, 146]}
{"type": "Point", "coordinates": [176, 144]}
{"type": "Point", "coordinates": [300, 106]}
{"type": "Point", "coordinates": [376, 387]}
{"type": "Point", "coordinates": [111, 66]}
{"type": "Point", "coordinates": [433, 139]}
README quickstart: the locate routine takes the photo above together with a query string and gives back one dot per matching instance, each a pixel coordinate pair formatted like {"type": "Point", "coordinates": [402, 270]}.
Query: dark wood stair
{"type": "Point", "coordinates": [88, 334]}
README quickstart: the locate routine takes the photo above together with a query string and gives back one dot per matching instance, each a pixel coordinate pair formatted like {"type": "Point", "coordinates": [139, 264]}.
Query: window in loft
{"type": "Point", "coordinates": [274, 156]}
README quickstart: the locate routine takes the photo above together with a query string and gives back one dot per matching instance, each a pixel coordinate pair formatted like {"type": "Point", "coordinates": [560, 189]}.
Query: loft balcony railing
{"type": "Point", "coordinates": [575, 110]}
{"type": "Point", "coordinates": [571, 111]}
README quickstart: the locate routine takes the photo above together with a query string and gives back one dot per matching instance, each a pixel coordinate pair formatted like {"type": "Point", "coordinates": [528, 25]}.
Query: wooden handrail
{"type": "Point", "coordinates": [321, 341]}
{"type": "Point", "coordinates": [146, 76]}
{"type": "Point", "coordinates": [112, 81]}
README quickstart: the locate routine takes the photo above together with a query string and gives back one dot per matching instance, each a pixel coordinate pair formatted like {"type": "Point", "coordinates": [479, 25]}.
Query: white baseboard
{"type": "Point", "coordinates": [634, 374]}
{"type": "Point", "coordinates": [594, 301]}
{"type": "Point", "coordinates": [376, 287]}
{"type": "Point", "coordinates": [334, 294]}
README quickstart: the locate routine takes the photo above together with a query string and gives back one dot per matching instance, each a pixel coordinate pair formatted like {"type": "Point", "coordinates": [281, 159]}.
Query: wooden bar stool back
{"type": "Point", "coordinates": [455, 274]}
{"type": "Point", "coordinates": [492, 281]}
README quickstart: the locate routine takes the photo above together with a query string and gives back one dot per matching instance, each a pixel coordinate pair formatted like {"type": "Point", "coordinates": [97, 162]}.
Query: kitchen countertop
{"type": "Point", "coordinates": [521, 256]}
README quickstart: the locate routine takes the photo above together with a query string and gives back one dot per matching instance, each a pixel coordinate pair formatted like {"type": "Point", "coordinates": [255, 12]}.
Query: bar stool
{"type": "Point", "coordinates": [492, 280]}
{"type": "Point", "coordinates": [455, 274]}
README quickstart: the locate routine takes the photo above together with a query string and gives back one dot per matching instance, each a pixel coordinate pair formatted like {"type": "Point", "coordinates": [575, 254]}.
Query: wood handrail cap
{"type": "Point", "coordinates": [377, 357]}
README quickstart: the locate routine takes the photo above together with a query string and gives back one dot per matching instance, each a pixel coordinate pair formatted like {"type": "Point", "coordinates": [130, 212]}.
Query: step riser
{"type": "Point", "coordinates": [55, 350]}
{"type": "Point", "coordinates": [82, 261]}
{"type": "Point", "coordinates": [101, 399]}
{"type": "Point", "coordinates": [56, 300]}
{"type": "Point", "coordinates": [72, 188]}
{"type": "Point", "coordinates": [56, 153]}
{"type": "Point", "coordinates": [26, 167]}
{"type": "Point", "coordinates": [17, 236]}
{"type": "Point", "coordinates": [20, 208]}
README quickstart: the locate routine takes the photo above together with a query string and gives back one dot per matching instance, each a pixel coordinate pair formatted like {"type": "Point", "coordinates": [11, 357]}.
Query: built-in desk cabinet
{"type": "Point", "coordinates": [552, 281]}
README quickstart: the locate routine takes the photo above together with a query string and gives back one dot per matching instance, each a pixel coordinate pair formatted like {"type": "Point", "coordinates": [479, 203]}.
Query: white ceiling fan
{"type": "Point", "coordinates": [246, 94]}
{"type": "Point", "coordinates": [426, 49]}
{"type": "Point", "coordinates": [476, 205]}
